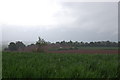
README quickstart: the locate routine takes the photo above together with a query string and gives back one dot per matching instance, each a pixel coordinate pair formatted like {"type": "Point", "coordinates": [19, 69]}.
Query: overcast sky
{"type": "Point", "coordinates": [25, 20]}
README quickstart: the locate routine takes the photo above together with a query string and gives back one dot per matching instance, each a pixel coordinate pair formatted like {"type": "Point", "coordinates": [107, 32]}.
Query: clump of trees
{"type": "Point", "coordinates": [18, 46]}
{"type": "Point", "coordinates": [15, 46]}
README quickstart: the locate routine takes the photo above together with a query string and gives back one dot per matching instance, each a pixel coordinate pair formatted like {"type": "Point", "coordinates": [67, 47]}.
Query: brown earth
{"type": "Point", "coordinates": [86, 51]}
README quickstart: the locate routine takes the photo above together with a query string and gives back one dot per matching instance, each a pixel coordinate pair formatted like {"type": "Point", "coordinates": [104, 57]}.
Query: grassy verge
{"type": "Point", "coordinates": [51, 65]}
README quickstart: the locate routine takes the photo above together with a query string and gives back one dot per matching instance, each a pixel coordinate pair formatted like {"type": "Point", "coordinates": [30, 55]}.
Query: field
{"type": "Point", "coordinates": [56, 65]}
{"type": "Point", "coordinates": [86, 50]}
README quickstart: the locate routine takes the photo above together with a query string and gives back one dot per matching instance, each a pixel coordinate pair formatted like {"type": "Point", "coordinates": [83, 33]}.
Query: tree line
{"type": "Point", "coordinates": [89, 44]}
{"type": "Point", "coordinates": [14, 46]}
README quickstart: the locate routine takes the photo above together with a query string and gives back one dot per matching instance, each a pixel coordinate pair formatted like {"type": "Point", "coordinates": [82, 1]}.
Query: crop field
{"type": "Point", "coordinates": [86, 50]}
{"type": "Point", "coordinates": [56, 65]}
{"type": "Point", "coordinates": [91, 48]}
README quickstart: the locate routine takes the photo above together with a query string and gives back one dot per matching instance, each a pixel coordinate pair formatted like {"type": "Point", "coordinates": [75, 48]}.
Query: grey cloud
{"type": "Point", "coordinates": [92, 22]}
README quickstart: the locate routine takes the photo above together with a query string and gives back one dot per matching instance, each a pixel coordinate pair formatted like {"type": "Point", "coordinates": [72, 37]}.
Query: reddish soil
{"type": "Point", "coordinates": [86, 51]}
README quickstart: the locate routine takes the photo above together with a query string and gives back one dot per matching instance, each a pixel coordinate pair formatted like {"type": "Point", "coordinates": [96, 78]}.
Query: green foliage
{"type": "Point", "coordinates": [12, 46]}
{"type": "Point", "coordinates": [20, 44]}
{"type": "Point", "coordinates": [51, 65]}
{"type": "Point", "coordinates": [41, 43]}
{"type": "Point", "coordinates": [89, 44]}
{"type": "Point", "coordinates": [15, 46]}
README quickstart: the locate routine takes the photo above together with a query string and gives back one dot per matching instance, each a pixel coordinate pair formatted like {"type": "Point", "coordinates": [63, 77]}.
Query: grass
{"type": "Point", "coordinates": [51, 65]}
{"type": "Point", "coordinates": [101, 48]}
{"type": "Point", "coordinates": [88, 48]}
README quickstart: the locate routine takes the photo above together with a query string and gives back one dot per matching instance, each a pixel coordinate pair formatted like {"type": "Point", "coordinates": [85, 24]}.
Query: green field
{"type": "Point", "coordinates": [88, 48]}
{"type": "Point", "coordinates": [101, 48]}
{"type": "Point", "coordinates": [51, 65]}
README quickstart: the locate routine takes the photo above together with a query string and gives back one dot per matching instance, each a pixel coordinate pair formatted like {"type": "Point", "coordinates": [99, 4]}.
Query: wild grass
{"type": "Point", "coordinates": [51, 65]}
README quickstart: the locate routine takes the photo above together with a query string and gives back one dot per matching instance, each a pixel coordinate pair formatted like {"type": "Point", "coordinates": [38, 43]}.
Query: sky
{"type": "Point", "coordinates": [55, 20]}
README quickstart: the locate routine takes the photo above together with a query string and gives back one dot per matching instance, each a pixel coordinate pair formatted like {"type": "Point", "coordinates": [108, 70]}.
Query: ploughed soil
{"type": "Point", "coordinates": [86, 51]}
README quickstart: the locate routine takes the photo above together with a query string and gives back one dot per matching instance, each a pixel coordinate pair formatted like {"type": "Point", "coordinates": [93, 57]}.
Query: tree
{"type": "Point", "coordinates": [63, 43]}
{"type": "Point", "coordinates": [20, 45]}
{"type": "Point", "coordinates": [76, 44]}
{"type": "Point", "coordinates": [12, 46]}
{"type": "Point", "coordinates": [91, 44]}
{"type": "Point", "coordinates": [82, 43]}
{"type": "Point", "coordinates": [41, 43]}
{"type": "Point", "coordinates": [70, 43]}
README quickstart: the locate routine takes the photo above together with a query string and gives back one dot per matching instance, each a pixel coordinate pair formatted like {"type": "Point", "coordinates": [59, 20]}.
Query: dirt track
{"type": "Point", "coordinates": [87, 51]}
